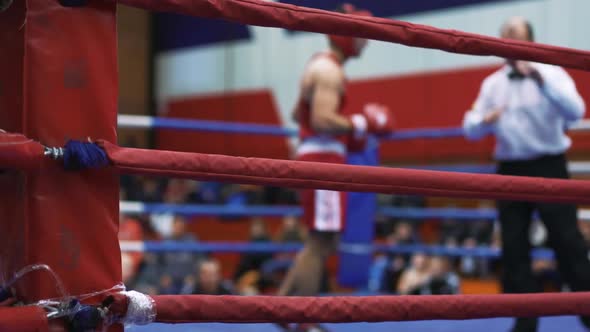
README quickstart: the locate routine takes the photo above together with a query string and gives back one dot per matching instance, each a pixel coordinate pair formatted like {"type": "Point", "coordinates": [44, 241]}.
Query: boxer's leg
{"type": "Point", "coordinates": [322, 212]}
{"type": "Point", "coordinates": [304, 278]}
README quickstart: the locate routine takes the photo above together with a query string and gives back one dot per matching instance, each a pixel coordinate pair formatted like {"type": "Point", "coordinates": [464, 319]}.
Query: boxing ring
{"type": "Point", "coordinates": [60, 202]}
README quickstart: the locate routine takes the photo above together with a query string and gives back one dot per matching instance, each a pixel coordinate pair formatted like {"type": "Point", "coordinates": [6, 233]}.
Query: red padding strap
{"type": "Point", "coordinates": [23, 319]}
{"type": "Point", "coordinates": [274, 14]}
{"type": "Point", "coordinates": [310, 175]}
{"type": "Point", "coordinates": [19, 152]}
{"type": "Point", "coordinates": [260, 309]}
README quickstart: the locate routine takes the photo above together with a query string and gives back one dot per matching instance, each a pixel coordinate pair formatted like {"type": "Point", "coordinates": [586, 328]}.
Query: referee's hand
{"type": "Point", "coordinates": [528, 70]}
{"type": "Point", "coordinates": [493, 116]}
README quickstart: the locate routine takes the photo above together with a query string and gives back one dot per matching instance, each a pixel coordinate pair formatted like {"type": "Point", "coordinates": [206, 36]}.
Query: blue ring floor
{"type": "Point", "coordinates": [548, 324]}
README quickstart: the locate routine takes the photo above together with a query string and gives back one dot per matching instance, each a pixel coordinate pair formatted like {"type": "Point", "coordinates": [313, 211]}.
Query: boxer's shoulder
{"type": "Point", "coordinates": [324, 65]}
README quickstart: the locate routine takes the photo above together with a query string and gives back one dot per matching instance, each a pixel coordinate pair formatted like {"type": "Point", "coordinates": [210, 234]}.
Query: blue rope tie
{"type": "Point", "coordinates": [83, 155]}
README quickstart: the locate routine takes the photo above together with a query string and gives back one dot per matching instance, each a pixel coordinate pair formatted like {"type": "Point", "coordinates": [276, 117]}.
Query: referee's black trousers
{"type": "Point", "coordinates": [564, 237]}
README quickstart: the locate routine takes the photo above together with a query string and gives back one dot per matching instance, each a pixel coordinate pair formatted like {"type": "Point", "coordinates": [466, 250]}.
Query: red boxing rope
{"type": "Point", "coordinates": [262, 309]}
{"type": "Point", "coordinates": [273, 14]}
{"type": "Point", "coordinates": [19, 152]}
{"type": "Point", "coordinates": [310, 175]}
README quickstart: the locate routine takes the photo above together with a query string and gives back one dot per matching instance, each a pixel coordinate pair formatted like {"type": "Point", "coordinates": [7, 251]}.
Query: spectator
{"type": "Point", "coordinates": [130, 230]}
{"type": "Point", "coordinates": [150, 190]}
{"type": "Point", "coordinates": [128, 187]}
{"type": "Point", "coordinates": [386, 226]}
{"type": "Point", "coordinates": [469, 263]}
{"type": "Point", "coordinates": [178, 265]}
{"type": "Point", "coordinates": [471, 234]}
{"type": "Point", "coordinates": [443, 280]}
{"type": "Point", "coordinates": [482, 230]}
{"type": "Point", "coordinates": [253, 261]}
{"type": "Point", "coordinates": [209, 280]}
{"type": "Point", "coordinates": [128, 271]}
{"type": "Point", "coordinates": [123, 193]}
{"type": "Point", "coordinates": [545, 274]}
{"type": "Point", "coordinates": [377, 274]}
{"type": "Point", "coordinates": [204, 192]}
{"type": "Point", "coordinates": [403, 234]}
{"type": "Point", "coordinates": [479, 233]}
{"type": "Point", "coordinates": [147, 289]}
{"type": "Point", "coordinates": [167, 285]}
{"type": "Point", "coordinates": [393, 270]}
{"type": "Point", "coordinates": [544, 269]}
{"type": "Point", "coordinates": [408, 201]}
{"type": "Point", "coordinates": [291, 230]}
{"type": "Point", "coordinates": [189, 284]}
{"type": "Point", "coordinates": [272, 195]}
{"type": "Point", "coordinates": [496, 236]}
{"type": "Point", "coordinates": [148, 278]}
{"type": "Point", "coordinates": [452, 232]}
{"type": "Point", "coordinates": [177, 192]}
{"type": "Point", "coordinates": [584, 227]}
{"type": "Point", "coordinates": [243, 194]}
{"type": "Point", "coordinates": [415, 276]}
{"type": "Point", "coordinates": [279, 196]}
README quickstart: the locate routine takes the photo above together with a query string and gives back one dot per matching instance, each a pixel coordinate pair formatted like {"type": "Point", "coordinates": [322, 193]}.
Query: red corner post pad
{"type": "Point", "coordinates": [23, 319]}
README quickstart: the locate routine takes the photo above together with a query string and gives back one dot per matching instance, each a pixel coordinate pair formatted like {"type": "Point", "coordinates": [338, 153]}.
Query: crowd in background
{"type": "Point", "coordinates": [201, 273]}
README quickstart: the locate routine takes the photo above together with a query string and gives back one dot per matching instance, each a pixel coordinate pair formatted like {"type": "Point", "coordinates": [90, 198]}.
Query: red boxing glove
{"type": "Point", "coordinates": [379, 119]}
{"type": "Point", "coordinates": [375, 119]}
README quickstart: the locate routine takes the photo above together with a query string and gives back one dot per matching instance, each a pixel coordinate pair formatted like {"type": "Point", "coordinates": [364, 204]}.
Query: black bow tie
{"type": "Point", "coordinates": [516, 75]}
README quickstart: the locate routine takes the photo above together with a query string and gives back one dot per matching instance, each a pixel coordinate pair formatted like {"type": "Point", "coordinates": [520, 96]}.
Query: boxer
{"type": "Point", "coordinates": [327, 133]}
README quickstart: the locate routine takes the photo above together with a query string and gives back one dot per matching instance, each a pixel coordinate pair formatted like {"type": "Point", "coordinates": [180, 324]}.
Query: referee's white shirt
{"type": "Point", "coordinates": [535, 118]}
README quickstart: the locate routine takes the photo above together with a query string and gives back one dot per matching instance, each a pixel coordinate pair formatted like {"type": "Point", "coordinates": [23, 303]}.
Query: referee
{"type": "Point", "coordinates": [528, 107]}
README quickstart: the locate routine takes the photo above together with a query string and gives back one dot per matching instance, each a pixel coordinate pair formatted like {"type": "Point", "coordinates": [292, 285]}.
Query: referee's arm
{"type": "Point", "coordinates": [474, 124]}
{"type": "Point", "coordinates": [560, 90]}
